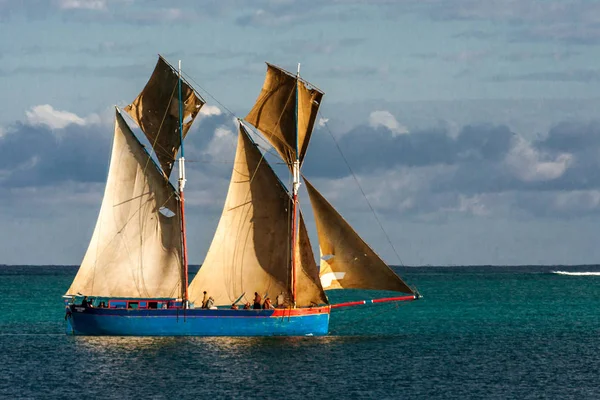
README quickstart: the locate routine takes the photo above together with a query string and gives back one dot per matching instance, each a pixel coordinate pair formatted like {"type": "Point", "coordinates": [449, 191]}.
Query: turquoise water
{"type": "Point", "coordinates": [479, 332]}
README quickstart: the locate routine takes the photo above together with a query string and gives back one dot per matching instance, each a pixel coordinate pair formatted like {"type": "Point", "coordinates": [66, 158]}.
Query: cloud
{"type": "Point", "coordinates": [579, 75]}
{"type": "Point", "coordinates": [466, 56]}
{"type": "Point", "coordinates": [557, 21]}
{"type": "Point", "coordinates": [82, 4]}
{"type": "Point", "coordinates": [475, 34]}
{"type": "Point", "coordinates": [386, 119]}
{"type": "Point", "coordinates": [276, 14]}
{"type": "Point", "coordinates": [221, 145]}
{"type": "Point", "coordinates": [46, 115]}
{"type": "Point", "coordinates": [54, 165]}
{"type": "Point", "coordinates": [347, 72]}
{"type": "Point", "coordinates": [54, 146]}
{"type": "Point", "coordinates": [518, 56]}
{"type": "Point", "coordinates": [114, 71]}
{"type": "Point", "coordinates": [463, 57]}
{"type": "Point", "coordinates": [478, 170]}
{"type": "Point", "coordinates": [320, 46]}
{"type": "Point", "coordinates": [208, 110]}
{"type": "Point", "coordinates": [529, 164]}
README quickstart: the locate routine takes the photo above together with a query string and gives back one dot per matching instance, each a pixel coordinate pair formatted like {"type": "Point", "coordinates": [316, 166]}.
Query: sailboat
{"type": "Point", "coordinates": [133, 279]}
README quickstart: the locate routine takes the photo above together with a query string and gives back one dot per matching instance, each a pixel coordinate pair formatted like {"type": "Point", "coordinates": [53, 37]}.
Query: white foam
{"type": "Point", "coordinates": [576, 273]}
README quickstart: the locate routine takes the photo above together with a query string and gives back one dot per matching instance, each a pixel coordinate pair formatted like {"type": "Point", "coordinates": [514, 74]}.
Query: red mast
{"type": "Point", "coordinates": [296, 185]}
{"type": "Point", "coordinates": [181, 198]}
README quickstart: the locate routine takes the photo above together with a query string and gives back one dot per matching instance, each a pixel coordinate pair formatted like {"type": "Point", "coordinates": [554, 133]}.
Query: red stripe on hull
{"type": "Point", "coordinates": [287, 312]}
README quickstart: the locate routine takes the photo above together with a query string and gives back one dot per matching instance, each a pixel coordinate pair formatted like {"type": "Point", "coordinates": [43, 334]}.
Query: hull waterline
{"type": "Point", "coordinates": [197, 322]}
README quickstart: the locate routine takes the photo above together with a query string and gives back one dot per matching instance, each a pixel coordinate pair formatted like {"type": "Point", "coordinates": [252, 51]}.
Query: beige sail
{"type": "Point", "coordinates": [156, 111]}
{"type": "Point", "coordinates": [135, 250]}
{"type": "Point", "coordinates": [250, 251]}
{"type": "Point", "coordinates": [308, 284]}
{"type": "Point", "coordinates": [274, 113]}
{"type": "Point", "coordinates": [346, 260]}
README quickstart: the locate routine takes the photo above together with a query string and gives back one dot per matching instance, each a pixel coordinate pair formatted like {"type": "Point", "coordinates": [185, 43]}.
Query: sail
{"type": "Point", "coordinates": [274, 113]}
{"type": "Point", "coordinates": [308, 284]}
{"type": "Point", "coordinates": [156, 111]}
{"type": "Point", "coordinates": [135, 250]}
{"type": "Point", "coordinates": [346, 260]}
{"type": "Point", "coordinates": [250, 251]}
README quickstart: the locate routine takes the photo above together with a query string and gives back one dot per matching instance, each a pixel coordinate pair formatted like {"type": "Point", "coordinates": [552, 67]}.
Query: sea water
{"type": "Point", "coordinates": [479, 332]}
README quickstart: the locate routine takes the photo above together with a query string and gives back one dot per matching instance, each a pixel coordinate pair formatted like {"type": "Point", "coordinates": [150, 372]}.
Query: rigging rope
{"type": "Point", "coordinates": [361, 189]}
{"type": "Point", "coordinates": [231, 113]}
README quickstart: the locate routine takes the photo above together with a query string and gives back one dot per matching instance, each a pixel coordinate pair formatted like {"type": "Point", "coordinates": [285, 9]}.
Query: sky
{"type": "Point", "coordinates": [470, 126]}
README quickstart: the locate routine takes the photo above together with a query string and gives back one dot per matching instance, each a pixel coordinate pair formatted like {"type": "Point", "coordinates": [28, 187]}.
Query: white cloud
{"type": "Point", "coordinates": [386, 119]}
{"type": "Point", "coordinates": [322, 122]}
{"type": "Point", "coordinates": [474, 205]}
{"type": "Point", "coordinates": [82, 4]}
{"type": "Point", "coordinates": [222, 145]}
{"type": "Point", "coordinates": [577, 200]}
{"type": "Point", "coordinates": [210, 110]}
{"type": "Point", "coordinates": [530, 165]}
{"type": "Point", "coordinates": [45, 114]}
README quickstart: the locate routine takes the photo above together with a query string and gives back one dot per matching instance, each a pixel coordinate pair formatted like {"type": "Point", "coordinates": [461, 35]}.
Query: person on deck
{"type": "Point", "coordinates": [210, 303]}
{"type": "Point", "coordinates": [84, 302]}
{"type": "Point", "coordinates": [204, 300]}
{"type": "Point", "coordinates": [279, 301]}
{"type": "Point", "coordinates": [257, 301]}
{"type": "Point", "coordinates": [267, 305]}
{"type": "Point", "coordinates": [247, 306]}
{"type": "Point", "coordinates": [234, 306]}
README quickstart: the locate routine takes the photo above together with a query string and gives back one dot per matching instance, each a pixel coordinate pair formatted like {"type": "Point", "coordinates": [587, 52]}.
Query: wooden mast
{"type": "Point", "coordinates": [296, 185]}
{"type": "Point", "coordinates": [181, 196]}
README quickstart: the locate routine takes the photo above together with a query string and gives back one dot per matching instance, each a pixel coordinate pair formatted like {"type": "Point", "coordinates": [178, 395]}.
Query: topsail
{"type": "Point", "coordinates": [274, 113]}
{"type": "Point", "coordinates": [156, 111]}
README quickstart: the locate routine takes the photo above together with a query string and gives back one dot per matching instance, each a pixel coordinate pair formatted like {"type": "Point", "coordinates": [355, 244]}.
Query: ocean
{"type": "Point", "coordinates": [485, 332]}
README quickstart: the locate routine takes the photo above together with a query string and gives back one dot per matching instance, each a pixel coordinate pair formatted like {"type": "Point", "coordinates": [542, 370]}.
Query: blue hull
{"type": "Point", "coordinates": [197, 322]}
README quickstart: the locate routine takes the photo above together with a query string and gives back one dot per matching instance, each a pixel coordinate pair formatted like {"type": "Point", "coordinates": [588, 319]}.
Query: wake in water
{"type": "Point", "coordinates": [576, 273]}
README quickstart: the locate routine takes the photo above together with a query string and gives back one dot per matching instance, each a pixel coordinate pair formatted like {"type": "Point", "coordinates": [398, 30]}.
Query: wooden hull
{"type": "Point", "coordinates": [197, 322]}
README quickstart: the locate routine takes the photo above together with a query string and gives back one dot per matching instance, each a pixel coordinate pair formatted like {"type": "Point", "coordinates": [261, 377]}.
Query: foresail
{"type": "Point", "coordinates": [135, 250]}
{"type": "Point", "coordinates": [346, 260]}
{"type": "Point", "coordinates": [274, 113]}
{"type": "Point", "coordinates": [250, 251]}
{"type": "Point", "coordinates": [156, 111]}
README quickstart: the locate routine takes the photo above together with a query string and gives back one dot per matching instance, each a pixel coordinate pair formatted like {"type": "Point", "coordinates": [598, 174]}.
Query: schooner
{"type": "Point", "coordinates": [133, 279]}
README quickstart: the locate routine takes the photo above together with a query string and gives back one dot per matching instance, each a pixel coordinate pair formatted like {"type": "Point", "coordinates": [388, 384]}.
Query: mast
{"type": "Point", "coordinates": [295, 187]}
{"type": "Point", "coordinates": [182, 201]}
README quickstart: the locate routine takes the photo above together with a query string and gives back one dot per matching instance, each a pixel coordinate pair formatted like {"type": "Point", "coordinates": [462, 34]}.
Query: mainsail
{"type": "Point", "coordinates": [346, 260]}
{"type": "Point", "coordinates": [156, 111]}
{"type": "Point", "coordinates": [135, 250]}
{"type": "Point", "coordinates": [250, 251]}
{"type": "Point", "coordinates": [274, 113]}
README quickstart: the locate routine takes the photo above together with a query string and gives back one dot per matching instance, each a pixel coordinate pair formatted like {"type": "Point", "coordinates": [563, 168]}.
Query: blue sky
{"type": "Point", "coordinates": [471, 125]}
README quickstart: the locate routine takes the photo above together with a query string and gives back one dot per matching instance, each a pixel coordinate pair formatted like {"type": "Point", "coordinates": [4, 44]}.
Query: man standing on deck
{"type": "Point", "coordinates": [204, 300]}
{"type": "Point", "coordinates": [257, 301]}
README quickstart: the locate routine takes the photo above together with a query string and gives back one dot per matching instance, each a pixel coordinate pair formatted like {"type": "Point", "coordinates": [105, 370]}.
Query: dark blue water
{"type": "Point", "coordinates": [479, 332]}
